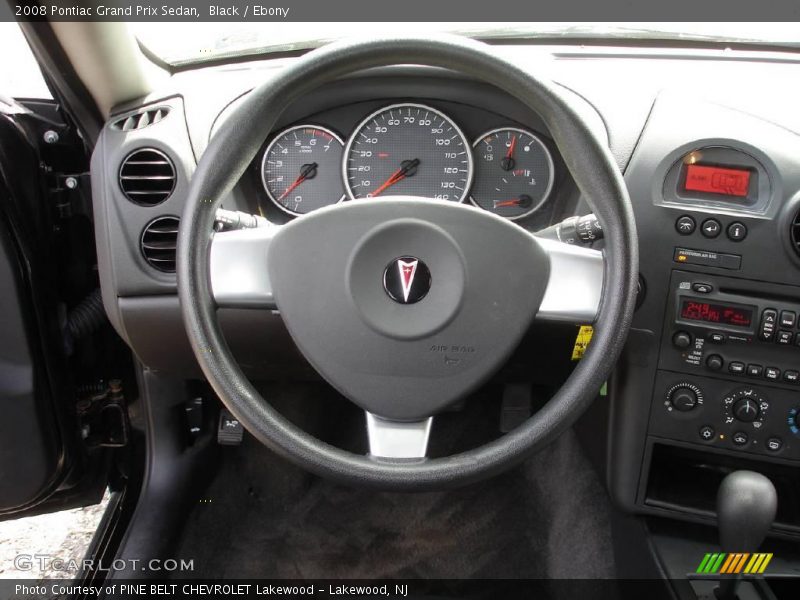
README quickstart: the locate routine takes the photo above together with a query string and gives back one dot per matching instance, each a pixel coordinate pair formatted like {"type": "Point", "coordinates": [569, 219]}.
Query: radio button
{"type": "Point", "coordinates": [703, 288]}
{"type": "Point", "coordinates": [768, 323]}
{"type": "Point", "coordinates": [785, 337]}
{"type": "Point", "coordinates": [788, 318]}
{"type": "Point", "coordinates": [682, 340]}
{"type": "Point", "coordinates": [755, 370]}
{"type": "Point", "coordinates": [791, 376]}
{"type": "Point", "coordinates": [715, 362]}
{"type": "Point", "coordinates": [737, 368]}
{"type": "Point", "coordinates": [772, 373]}
{"type": "Point", "coordinates": [719, 338]}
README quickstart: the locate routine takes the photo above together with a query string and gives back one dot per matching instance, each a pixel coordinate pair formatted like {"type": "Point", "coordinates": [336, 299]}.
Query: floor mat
{"type": "Point", "coordinates": [264, 518]}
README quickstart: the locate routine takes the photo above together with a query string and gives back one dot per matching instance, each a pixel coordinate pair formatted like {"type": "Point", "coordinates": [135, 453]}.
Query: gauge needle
{"type": "Point", "coordinates": [408, 168]}
{"type": "Point", "coordinates": [508, 161]}
{"type": "Point", "coordinates": [524, 201]}
{"type": "Point", "coordinates": [514, 202]}
{"type": "Point", "coordinates": [306, 172]}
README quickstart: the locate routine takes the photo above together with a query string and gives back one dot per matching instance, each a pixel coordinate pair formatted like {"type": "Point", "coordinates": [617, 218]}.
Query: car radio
{"type": "Point", "coordinates": [718, 327]}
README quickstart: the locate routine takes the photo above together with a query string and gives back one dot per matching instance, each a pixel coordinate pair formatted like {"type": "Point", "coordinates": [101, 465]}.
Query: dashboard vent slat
{"type": "Point", "coordinates": [140, 120]}
{"type": "Point", "coordinates": [794, 233]}
{"type": "Point", "coordinates": [159, 242]}
{"type": "Point", "coordinates": [147, 177]}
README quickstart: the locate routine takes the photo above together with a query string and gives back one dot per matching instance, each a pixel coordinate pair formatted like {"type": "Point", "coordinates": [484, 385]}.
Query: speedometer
{"type": "Point", "coordinates": [408, 150]}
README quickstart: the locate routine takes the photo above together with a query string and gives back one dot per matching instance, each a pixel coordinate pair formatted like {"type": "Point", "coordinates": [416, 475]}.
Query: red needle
{"type": "Point", "coordinates": [305, 173]}
{"type": "Point", "coordinates": [408, 167]}
{"type": "Point", "coordinates": [510, 153]}
{"type": "Point", "coordinates": [507, 203]}
{"type": "Point", "coordinates": [394, 178]}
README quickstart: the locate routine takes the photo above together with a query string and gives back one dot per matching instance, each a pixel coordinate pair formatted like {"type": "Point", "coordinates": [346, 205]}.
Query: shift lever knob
{"type": "Point", "coordinates": [746, 506]}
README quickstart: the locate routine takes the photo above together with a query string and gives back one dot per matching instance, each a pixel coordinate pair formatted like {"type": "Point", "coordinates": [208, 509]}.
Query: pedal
{"type": "Point", "coordinates": [516, 409]}
{"type": "Point", "coordinates": [229, 430]}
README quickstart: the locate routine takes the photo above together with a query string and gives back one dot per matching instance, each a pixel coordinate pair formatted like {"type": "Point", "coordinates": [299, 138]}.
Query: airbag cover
{"type": "Point", "coordinates": [400, 360]}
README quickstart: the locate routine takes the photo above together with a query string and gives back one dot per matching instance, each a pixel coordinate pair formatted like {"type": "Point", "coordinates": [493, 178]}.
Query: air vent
{"type": "Point", "coordinates": [147, 177]}
{"type": "Point", "coordinates": [159, 240]}
{"type": "Point", "coordinates": [795, 233]}
{"type": "Point", "coordinates": [140, 120]}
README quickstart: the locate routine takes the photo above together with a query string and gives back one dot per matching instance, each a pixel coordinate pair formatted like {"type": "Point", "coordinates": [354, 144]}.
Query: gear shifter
{"type": "Point", "coordinates": [746, 506]}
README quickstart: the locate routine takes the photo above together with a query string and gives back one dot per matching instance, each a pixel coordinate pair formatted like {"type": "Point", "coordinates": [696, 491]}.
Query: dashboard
{"type": "Point", "coordinates": [710, 376]}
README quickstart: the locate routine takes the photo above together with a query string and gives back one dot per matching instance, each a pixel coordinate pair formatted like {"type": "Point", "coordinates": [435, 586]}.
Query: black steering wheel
{"type": "Point", "coordinates": [399, 302]}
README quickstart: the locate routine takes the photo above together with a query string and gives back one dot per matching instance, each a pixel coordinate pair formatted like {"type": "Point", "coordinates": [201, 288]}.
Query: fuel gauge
{"type": "Point", "coordinates": [513, 172]}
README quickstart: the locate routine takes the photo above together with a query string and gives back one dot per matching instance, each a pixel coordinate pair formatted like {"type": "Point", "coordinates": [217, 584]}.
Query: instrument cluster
{"type": "Point", "coordinates": [408, 149]}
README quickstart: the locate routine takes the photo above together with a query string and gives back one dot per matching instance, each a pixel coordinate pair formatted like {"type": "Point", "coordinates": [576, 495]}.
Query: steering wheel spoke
{"type": "Point", "coordinates": [238, 268]}
{"type": "Point", "coordinates": [397, 440]}
{"type": "Point", "coordinates": [575, 284]}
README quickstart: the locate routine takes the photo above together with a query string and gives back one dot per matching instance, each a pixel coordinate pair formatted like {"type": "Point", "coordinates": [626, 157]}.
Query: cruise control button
{"type": "Point", "coordinates": [791, 376]}
{"type": "Point", "coordinates": [785, 337]}
{"type": "Point", "coordinates": [772, 373]}
{"type": "Point", "coordinates": [711, 228]}
{"type": "Point", "coordinates": [754, 370]}
{"type": "Point", "coordinates": [685, 225]}
{"type": "Point", "coordinates": [737, 368]}
{"type": "Point", "coordinates": [739, 438]}
{"type": "Point", "coordinates": [737, 231]}
{"type": "Point", "coordinates": [774, 444]}
{"type": "Point", "coordinates": [788, 318]}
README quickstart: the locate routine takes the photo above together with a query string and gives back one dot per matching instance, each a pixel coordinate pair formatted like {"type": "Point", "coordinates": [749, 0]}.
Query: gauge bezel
{"type": "Point", "coordinates": [368, 118]}
{"type": "Point", "coordinates": [550, 162]}
{"type": "Point", "coordinates": [278, 136]}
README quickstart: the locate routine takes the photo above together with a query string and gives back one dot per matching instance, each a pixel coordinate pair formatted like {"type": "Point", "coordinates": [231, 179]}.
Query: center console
{"type": "Point", "coordinates": [709, 382]}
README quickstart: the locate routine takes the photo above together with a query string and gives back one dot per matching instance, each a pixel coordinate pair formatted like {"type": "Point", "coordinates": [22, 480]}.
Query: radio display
{"type": "Point", "coordinates": [713, 312]}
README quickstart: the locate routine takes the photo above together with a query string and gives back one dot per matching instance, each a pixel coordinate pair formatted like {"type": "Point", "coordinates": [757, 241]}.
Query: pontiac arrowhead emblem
{"type": "Point", "coordinates": [407, 280]}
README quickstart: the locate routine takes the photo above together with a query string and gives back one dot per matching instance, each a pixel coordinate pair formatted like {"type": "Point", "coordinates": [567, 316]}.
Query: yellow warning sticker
{"type": "Point", "coordinates": [582, 341]}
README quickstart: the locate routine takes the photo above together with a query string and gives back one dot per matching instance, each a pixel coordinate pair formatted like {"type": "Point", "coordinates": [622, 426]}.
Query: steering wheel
{"type": "Point", "coordinates": [405, 305]}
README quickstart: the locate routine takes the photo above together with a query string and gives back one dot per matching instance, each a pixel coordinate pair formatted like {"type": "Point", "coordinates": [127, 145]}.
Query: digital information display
{"type": "Point", "coordinates": [717, 180]}
{"type": "Point", "coordinates": [721, 314]}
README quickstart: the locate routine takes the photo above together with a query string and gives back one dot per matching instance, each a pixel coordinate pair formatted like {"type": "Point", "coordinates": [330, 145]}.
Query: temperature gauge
{"type": "Point", "coordinates": [513, 172]}
{"type": "Point", "coordinates": [300, 169]}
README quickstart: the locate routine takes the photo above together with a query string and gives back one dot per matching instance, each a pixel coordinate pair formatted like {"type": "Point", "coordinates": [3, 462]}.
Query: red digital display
{"type": "Point", "coordinates": [722, 314]}
{"type": "Point", "coordinates": [717, 180]}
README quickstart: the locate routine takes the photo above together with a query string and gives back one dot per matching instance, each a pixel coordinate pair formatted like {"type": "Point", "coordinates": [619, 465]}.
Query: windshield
{"type": "Point", "coordinates": [181, 43]}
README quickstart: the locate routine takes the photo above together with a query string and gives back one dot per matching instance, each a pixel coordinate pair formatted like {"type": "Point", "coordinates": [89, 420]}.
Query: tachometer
{"type": "Point", "coordinates": [513, 172]}
{"type": "Point", "coordinates": [408, 150]}
{"type": "Point", "coordinates": [300, 169]}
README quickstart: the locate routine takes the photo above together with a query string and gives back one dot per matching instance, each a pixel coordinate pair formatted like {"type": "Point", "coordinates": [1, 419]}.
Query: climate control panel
{"type": "Point", "coordinates": [754, 419]}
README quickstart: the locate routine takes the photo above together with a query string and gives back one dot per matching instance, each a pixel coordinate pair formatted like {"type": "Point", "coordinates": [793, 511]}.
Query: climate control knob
{"type": "Point", "coordinates": [746, 406]}
{"type": "Point", "coordinates": [683, 397]}
{"type": "Point", "coordinates": [746, 410]}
